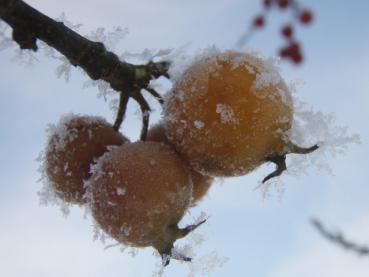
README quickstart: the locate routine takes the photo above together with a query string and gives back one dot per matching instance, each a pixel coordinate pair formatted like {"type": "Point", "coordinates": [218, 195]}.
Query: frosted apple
{"type": "Point", "coordinates": [139, 192]}
{"type": "Point", "coordinates": [228, 113]}
{"type": "Point", "coordinates": [201, 183]}
{"type": "Point", "coordinates": [72, 147]}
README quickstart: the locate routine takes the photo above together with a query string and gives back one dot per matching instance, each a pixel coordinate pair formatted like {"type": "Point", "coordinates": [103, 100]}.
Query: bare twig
{"type": "Point", "coordinates": [123, 101]}
{"type": "Point", "coordinates": [339, 239]}
{"type": "Point", "coordinates": [156, 95]}
{"type": "Point", "coordinates": [145, 111]}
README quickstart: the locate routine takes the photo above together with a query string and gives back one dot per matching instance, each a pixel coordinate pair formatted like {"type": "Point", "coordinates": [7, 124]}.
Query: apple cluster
{"type": "Point", "coordinates": [227, 114]}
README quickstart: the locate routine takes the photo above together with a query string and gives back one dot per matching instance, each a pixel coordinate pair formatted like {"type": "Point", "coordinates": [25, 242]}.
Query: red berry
{"type": "Point", "coordinates": [294, 47]}
{"type": "Point", "coordinates": [297, 57]}
{"type": "Point", "coordinates": [284, 52]}
{"type": "Point", "coordinates": [267, 3]}
{"type": "Point", "coordinates": [283, 4]}
{"type": "Point", "coordinates": [292, 52]}
{"type": "Point", "coordinates": [306, 17]}
{"type": "Point", "coordinates": [295, 52]}
{"type": "Point", "coordinates": [287, 31]}
{"type": "Point", "coordinates": [259, 21]}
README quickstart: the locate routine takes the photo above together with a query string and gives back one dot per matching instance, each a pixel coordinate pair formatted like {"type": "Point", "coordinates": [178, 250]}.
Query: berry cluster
{"type": "Point", "coordinates": [292, 50]}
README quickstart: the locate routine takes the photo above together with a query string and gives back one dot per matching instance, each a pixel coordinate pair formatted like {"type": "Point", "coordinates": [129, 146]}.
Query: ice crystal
{"type": "Point", "coordinates": [111, 39]}
{"type": "Point", "coordinates": [314, 127]}
{"type": "Point", "coordinates": [199, 124]}
{"type": "Point", "coordinates": [226, 113]}
{"type": "Point", "coordinates": [5, 40]}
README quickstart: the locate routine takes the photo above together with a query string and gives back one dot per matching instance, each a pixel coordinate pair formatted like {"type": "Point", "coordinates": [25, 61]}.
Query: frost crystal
{"type": "Point", "coordinates": [147, 55]}
{"type": "Point", "coordinates": [199, 124]}
{"type": "Point", "coordinates": [126, 230]}
{"type": "Point", "coordinates": [206, 264]}
{"type": "Point", "coordinates": [47, 195]}
{"type": "Point", "coordinates": [102, 86]}
{"type": "Point", "coordinates": [64, 68]}
{"type": "Point", "coordinates": [275, 184]}
{"type": "Point", "coordinates": [121, 191]}
{"type": "Point", "coordinates": [24, 57]}
{"type": "Point", "coordinates": [64, 135]}
{"type": "Point", "coordinates": [268, 74]}
{"type": "Point", "coordinates": [226, 113]}
{"type": "Point", "coordinates": [110, 39]}
{"type": "Point", "coordinates": [5, 40]}
{"type": "Point", "coordinates": [109, 246]}
{"type": "Point", "coordinates": [180, 61]}
{"type": "Point", "coordinates": [67, 135]}
{"type": "Point", "coordinates": [63, 18]}
{"type": "Point", "coordinates": [311, 127]}
{"type": "Point", "coordinates": [96, 168]}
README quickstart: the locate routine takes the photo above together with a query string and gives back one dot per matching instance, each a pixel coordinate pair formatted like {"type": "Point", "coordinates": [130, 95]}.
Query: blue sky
{"type": "Point", "coordinates": [271, 237]}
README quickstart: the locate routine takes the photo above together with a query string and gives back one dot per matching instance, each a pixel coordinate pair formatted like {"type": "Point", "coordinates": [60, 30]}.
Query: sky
{"type": "Point", "coordinates": [253, 236]}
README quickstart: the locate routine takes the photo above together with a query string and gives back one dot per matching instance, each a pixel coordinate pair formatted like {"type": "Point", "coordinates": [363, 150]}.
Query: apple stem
{"type": "Point", "coordinates": [280, 159]}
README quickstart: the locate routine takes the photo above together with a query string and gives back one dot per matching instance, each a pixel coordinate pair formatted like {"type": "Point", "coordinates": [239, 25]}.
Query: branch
{"type": "Point", "coordinates": [29, 25]}
{"type": "Point", "coordinates": [339, 239]}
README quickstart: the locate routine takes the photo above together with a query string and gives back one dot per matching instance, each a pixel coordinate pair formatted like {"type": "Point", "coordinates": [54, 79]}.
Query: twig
{"type": "Point", "coordinates": [156, 95]}
{"type": "Point", "coordinates": [145, 111]}
{"type": "Point", "coordinates": [123, 101]}
{"type": "Point", "coordinates": [339, 239]}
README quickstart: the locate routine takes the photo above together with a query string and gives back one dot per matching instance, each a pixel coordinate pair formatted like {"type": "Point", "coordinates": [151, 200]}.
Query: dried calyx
{"type": "Point", "coordinates": [165, 244]}
{"type": "Point", "coordinates": [280, 159]}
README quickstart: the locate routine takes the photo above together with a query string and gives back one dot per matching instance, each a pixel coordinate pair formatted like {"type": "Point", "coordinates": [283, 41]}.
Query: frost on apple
{"type": "Point", "coordinates": [226, 114]}
{"type": "Point", "coordinates": [241, 111]}
{"type": "Point", "coordinates": [181, 61]}
{"type": "Point", "coordinates": [121, 191]}
{"type": "Point", "coordinates": [199, 124]}
{"type": "Point", "coordinates": [185, 103]}
{"type": "Point", "coordinates": [72, 145]}
{"type": "Point", "coordinates": [309, 127]}
{"type": "Point", "coordinates": [268, 72]}
{"type": "Point", "coordinates": [332, 138]}
{"type": "Point", "coordinates": [47, 195]}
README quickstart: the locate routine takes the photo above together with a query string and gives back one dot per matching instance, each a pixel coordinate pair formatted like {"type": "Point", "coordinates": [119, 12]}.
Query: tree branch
{"type": "Point", "coordinates": [29, 25]}
{"type": "Point", "coordinates": [339, 239]}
